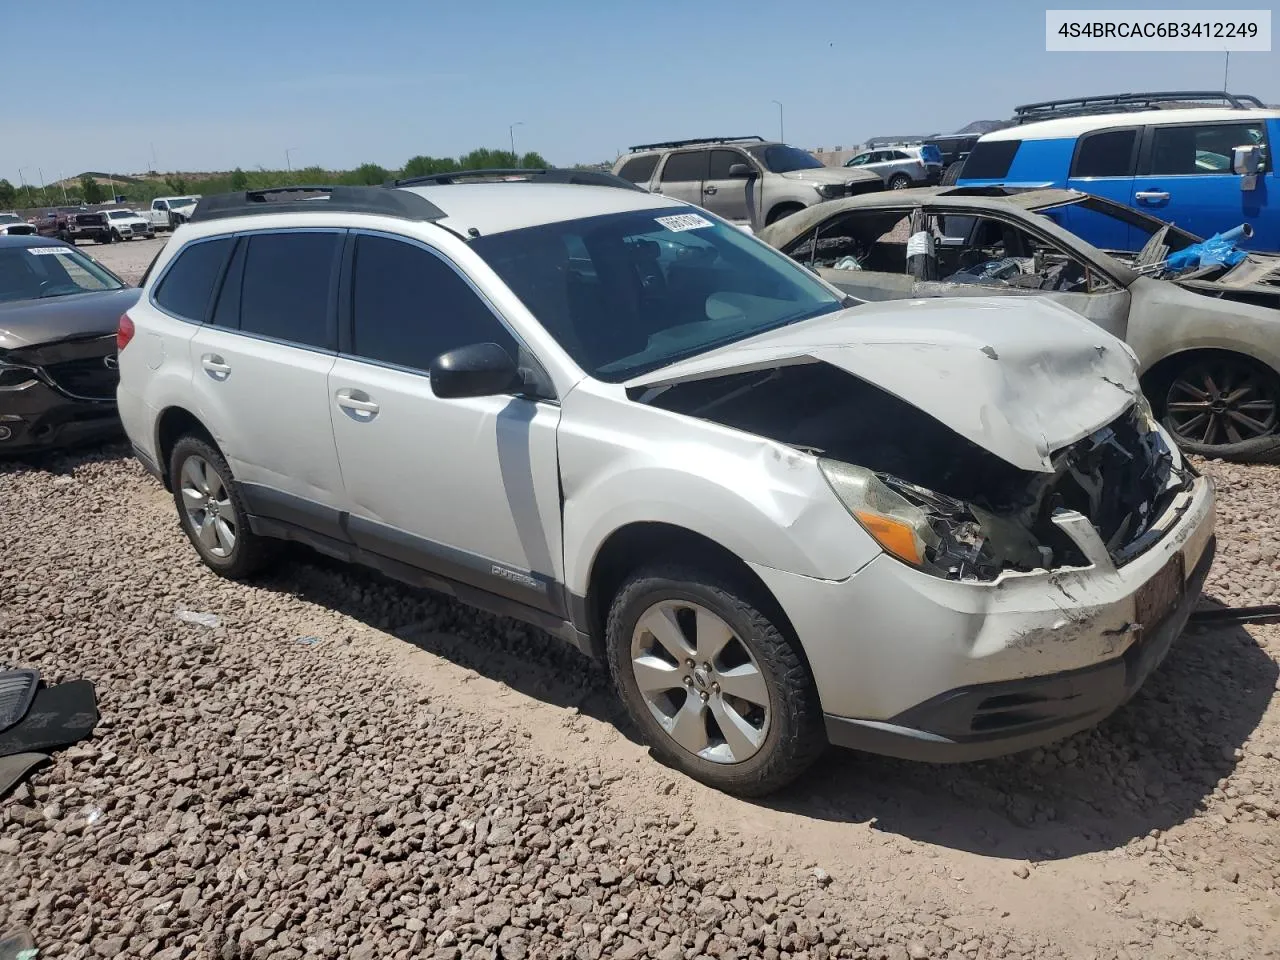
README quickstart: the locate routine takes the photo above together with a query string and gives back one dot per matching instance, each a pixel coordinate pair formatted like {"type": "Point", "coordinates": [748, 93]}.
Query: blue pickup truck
{"type": "Point", "coordinates": [1205, 168]}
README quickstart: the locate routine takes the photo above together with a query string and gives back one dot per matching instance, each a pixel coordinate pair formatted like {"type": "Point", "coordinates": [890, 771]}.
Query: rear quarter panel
{"type": "Point", "coordinates": [1038, 163]}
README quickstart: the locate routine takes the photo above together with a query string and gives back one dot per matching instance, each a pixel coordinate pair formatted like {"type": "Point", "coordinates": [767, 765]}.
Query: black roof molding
{"type": "Point", "coordinates": [585, 178]}
{"type": "Point", "coordinates": [375, 200]}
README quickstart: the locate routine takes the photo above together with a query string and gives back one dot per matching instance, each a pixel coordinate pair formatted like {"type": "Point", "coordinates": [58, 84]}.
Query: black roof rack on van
{"type": "Point", "coordinates": [1128, 102]}
{"type": "Point", "coordinates": [588, 178]}
{"type": "Point", "coordinates": [377, 200]}
{"type": "Point", "coordinates": [695, 140]}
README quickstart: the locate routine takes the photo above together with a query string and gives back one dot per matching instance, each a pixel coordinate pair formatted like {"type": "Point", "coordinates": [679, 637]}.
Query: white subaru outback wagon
{"type": "Point", "coordinates": [932, 529]}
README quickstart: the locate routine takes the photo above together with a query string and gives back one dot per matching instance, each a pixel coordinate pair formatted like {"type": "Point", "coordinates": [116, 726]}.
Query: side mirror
{"type": "Point", "coordinates": [476, 370]}
{"type": "Point", "coordinates": [739, 171]}
{"type": "Point", "coordinates": [1245, 160]}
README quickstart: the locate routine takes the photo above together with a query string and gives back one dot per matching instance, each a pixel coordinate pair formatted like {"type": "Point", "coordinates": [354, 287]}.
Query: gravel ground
{"type": "Point", "coordinates": [423, 780]}
{"type": "Point", "coordinates": [127, 260]}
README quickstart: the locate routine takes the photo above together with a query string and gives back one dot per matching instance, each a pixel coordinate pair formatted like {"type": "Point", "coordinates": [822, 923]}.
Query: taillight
{"type": "Point", "coordinates": [124, 332]}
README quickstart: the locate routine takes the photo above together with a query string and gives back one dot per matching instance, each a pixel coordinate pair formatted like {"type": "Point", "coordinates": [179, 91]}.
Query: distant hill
{"type": "Point", "coordinates": [984, 126]}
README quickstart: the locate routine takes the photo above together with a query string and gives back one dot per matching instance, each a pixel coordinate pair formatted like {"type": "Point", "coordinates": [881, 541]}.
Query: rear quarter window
{"type": "Point", "coordinates": [991, 159]}
{"type": "Point", "coordinates": [639, 169]}
{"type": "Point", "coordinates": [1107, 153]}
{"type": "Point", "coordinates": [188, 285]}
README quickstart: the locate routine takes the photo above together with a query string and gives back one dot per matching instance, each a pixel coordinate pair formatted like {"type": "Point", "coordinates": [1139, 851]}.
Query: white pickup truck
{"type": "Point", "coordinates": [167, 212]}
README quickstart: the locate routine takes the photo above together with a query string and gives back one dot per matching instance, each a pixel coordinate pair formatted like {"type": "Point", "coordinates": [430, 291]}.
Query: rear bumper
{"type": "Point", "coordinates": [1056, 705]}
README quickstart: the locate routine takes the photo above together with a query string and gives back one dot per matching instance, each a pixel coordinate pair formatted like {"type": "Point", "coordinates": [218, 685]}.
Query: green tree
{"type": "Point", "coordinates": [176, 184]}
{"type": "Point", "coordinates": [533, 161]}
{"type": "Point", "coordinates": [92, 190]}
{"type": "Point", "coordinates": [486, 159]}
{"type": "Point", "coordinates": [367, 174]}
{"type": "Point", "coordinates": [239, 180]}
{"type": "Point", "coordinates": [422, 166]}
{"type": "Point", "coordinates": [8, 193]}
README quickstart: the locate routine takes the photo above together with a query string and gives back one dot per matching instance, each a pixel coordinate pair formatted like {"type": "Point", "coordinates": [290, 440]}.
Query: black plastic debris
{"type": "Point", "coordinates": [58, 717]}
{"type": "Point", "coordinates": [1264, 613]}
{"type": "Point", "coordinates": [17, 690]}
{"type": "Point", "coordinates": [14, 768]}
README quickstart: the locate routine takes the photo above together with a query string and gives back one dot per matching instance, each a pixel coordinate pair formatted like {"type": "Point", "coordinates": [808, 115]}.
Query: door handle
{"type": "Point", "coordinates": [357, 404]}
{"type": "Point", "coordinates": [709, 190]}
{"type": "Point", "coordinates": [1151, 196]}
{"type": "Point", "coordinates": [215, 366]}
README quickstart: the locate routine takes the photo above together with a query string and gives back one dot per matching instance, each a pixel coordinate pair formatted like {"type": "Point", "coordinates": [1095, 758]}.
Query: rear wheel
{"type": "Point", "coordinates": [899, 181]}
{"type": "Point", "coordinates": [952, 173]}
{"type": "Point", "coordinates": [1225, 405]}
{"type": "Point", "coordinates": [716, 687]}
{"type": "Point", "coordinates": [211, 511]}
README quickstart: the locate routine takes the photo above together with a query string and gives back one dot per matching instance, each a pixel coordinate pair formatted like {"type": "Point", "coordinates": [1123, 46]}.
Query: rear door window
{"type": "Point", "coordinates": [1107, 153]}
{"type": "Point", "coordinates": [288, 286]}
{"type": "Point", "coordinates": [639, 169]}
{"type": "Point", "coordinates": [685, 167]}
{"type": "Point", "coordinates": [991, 159]}
{"type": "Point", "coordinates": [188, 285]}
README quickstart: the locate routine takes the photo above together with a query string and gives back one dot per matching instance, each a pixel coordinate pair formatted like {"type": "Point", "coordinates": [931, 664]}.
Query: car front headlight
{"type": "Point", "coordinates": [15, 375]}
{"type": "Point", "coordinates": [829, 190]}
{"type": "Point", "coordinates": [937, 534]}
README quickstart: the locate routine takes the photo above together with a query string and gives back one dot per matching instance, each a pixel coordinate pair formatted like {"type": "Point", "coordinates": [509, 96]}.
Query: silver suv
{"type": "Point", "coordinates": [743, 179]}
{"type": "Point", "coordinates": [901, 166]}
{"type": "Point", "coordinates": [941, 529]}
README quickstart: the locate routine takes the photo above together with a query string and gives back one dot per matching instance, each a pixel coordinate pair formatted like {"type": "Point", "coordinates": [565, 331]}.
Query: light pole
{"type": "Point", "coordinates": [511, 132]}
{"type": "Point", "coordinates": [62, 182]}
{"type": "Point", "coordinates": [782, 136]}
{"type": "Point", "coordinates": [153, 156]}
{"type": "Point", "coordinates": [23, 180]}
{"type": "Point", "coordinates": [287, 161]}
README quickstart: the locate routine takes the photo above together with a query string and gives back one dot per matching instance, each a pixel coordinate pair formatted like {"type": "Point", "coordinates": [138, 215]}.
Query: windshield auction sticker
{"type": "Point", "coordinates": [683, 221]}
{"type": "Point", "coordinates": [1215, 31]}
{"type": "Point", "coordinates": [49, 251]}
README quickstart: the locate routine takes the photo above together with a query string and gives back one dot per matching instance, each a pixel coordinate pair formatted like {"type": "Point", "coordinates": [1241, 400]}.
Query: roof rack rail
{"type": "Point", "coordinates": [378, 200]}
{"type": "Point", "coordinates": [689, 143]}
{"type": "Point", "coordinates": [588, 178]}
{"type": "Point", "coordinates": [1127, 102]}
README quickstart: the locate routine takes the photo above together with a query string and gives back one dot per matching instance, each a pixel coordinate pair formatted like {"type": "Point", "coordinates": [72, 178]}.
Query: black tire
{"type": "Point", "coordinates": [250, 553]}
{"type": "Point", "coordinates": [782, 210]}
{"type": "Point", "coordinates": [115, 237]}
{"type": "Point", "coordinates": [899, 181]}
{"type": "Point", "coordinates": [1177, 404]}
{"type": "Point", "coordinates": [953, 173]}
{"type": "Point", "coordinates": [67, 238]}
{"type": "Point", "coordinates": [795, 735]}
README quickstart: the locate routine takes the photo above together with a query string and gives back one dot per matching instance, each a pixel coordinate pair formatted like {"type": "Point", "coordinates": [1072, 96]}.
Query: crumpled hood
{"type": "Point", "coordinates": [1021, 378]}
{"type": "Point", "coordinates": [831, 175]}
{"type": "Point", "coordinates": [27, 322]}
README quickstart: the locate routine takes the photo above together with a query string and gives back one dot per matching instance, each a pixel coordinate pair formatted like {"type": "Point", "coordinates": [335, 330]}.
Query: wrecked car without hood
{"type": "Point", "coordinates": [944, 530]}
{"type": "Point", "coordinates": [1206, 334]}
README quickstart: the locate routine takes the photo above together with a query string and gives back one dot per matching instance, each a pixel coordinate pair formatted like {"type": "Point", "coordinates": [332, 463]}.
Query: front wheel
{"type": "Point", "coordinates": [1224, 406]}
{"type": "Point", "coordinates": [714, 684]}
{"type": "Point", "coordinates": [211, 511]}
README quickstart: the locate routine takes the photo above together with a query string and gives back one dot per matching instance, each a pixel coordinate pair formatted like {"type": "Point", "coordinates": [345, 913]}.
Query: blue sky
{"type": "Point", "coordinates": [342, 83]}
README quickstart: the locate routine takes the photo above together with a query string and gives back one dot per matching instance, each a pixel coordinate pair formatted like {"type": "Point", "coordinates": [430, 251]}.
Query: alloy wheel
{"type": "Point", "coordinates": [700, 681]}
{"type": "Point", "coordinates": [1219, 403]}
{"type": "Point", "coordinates": [208, 506]}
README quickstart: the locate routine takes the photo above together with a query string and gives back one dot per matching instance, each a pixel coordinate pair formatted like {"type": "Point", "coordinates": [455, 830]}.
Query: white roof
{"type": "Point", "coordinates": [1074, 126]}
{"type": "Point", "coordinates": [498, 207]}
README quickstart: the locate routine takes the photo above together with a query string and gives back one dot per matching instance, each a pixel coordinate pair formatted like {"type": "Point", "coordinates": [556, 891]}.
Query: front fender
{"type": "Point", "coordinates": [623, 462]}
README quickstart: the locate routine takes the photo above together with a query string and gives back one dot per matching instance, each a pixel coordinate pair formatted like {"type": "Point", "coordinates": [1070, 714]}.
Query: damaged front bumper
{"type": "Point", "coordinates": [911, 665]}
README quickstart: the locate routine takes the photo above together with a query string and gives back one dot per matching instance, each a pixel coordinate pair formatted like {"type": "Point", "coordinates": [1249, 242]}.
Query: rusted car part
{"type": "Point", "coordinates": [1207, 337]}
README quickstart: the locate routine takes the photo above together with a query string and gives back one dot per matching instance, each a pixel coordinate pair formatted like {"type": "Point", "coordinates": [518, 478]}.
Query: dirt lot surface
{"type": "Point", "coordinates": [424, 780]}
{"type": "Point", "coordinates": [127, 260]}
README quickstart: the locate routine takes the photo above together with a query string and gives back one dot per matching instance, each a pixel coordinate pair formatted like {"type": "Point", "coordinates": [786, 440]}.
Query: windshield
{"type": "Point", "coordinates": [779, 158]}
{"type": "Point", "coordinates": [36, 273]}
{"type": "Point", "coordinates": [121, 214]}
{"type": "Point", "coordinates": [10, 218]}
{"type": "Point", "coordinates": [626, 293]}
{"type": "Point", "coordinates": [181, 201]}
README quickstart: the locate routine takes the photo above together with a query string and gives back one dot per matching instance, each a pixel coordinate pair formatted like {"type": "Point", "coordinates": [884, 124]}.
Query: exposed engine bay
{"type": "Point", "coordinates": [980, 514]}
